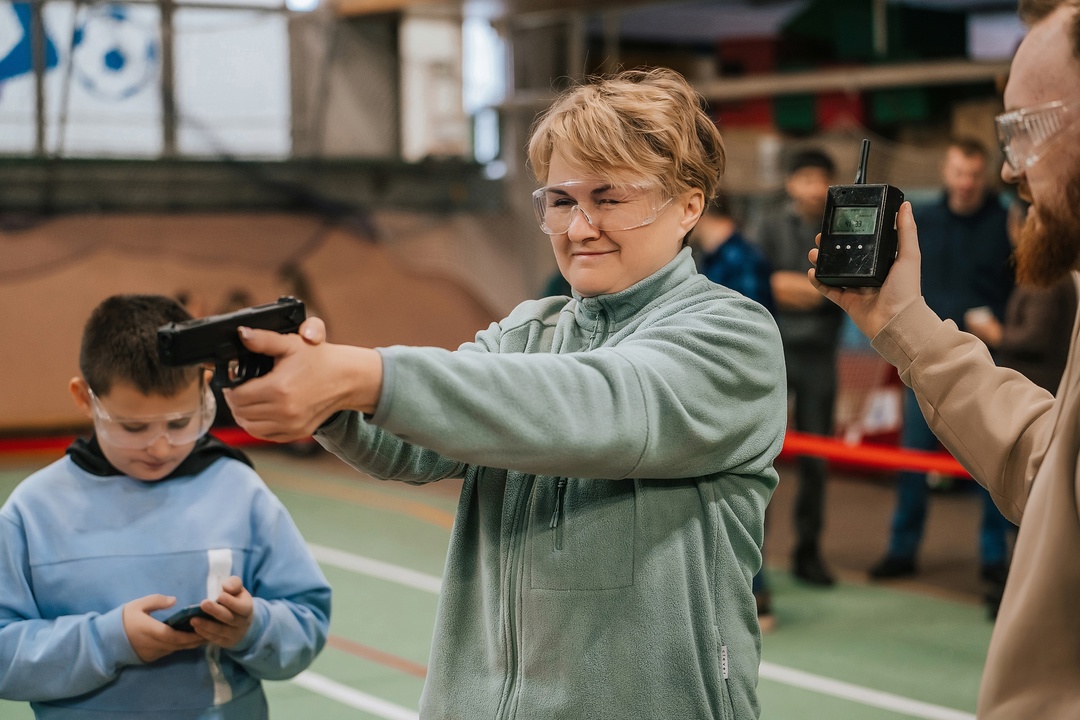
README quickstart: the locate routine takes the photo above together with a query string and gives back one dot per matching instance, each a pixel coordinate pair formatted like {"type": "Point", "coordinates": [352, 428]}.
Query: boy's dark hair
{"type": "Point", "coordinates": [812, 158]}
{"type": "Point", "coordinates": [119, 343]}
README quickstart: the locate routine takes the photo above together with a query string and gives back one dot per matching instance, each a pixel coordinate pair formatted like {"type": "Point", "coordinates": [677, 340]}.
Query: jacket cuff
{"type": "Point", "coordinates": [900, 341]}
{"type": "Point", "coordinates": [386, 393]}
{"type": "Point", "coordinates": [330, 420]}
{"type": "Point", "coordinates": [110, 628]}
{"type": "Point", "coordinates": [259, 618]}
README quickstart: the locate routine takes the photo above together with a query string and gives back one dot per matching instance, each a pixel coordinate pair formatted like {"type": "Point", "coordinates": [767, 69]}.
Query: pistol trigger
{"type": "Point", "coordinates": [221, 374]}
{"type": "Point", "coordinates": [238, 370]}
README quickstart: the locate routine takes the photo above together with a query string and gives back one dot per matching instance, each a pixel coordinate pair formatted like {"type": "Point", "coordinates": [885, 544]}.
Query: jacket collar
{"type": "Point", "coordinates": [618, 308]}
{"type": "Point", "coordinates": [86, 453]}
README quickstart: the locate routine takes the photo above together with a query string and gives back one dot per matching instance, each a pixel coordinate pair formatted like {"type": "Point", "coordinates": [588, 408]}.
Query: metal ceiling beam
{"type": "Point", "coordinates": [851, 80]}
{"type": "Point", "coordinates": [856, 79]}
{"type": "Point", "coordinates": [494, 9]}
{"type": "Point", "coordinates": [350, 8]}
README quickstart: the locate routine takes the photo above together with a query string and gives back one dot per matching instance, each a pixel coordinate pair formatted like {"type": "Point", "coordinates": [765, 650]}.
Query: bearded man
{"type": "Point", "coordinates": [1013, 436]}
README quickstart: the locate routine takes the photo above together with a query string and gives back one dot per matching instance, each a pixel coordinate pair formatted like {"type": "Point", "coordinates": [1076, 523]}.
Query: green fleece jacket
{"type": "Point", "coordinates": [617, 455]}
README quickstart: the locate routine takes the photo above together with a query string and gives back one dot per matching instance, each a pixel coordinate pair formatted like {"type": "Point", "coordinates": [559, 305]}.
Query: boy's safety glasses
{"type": "Point", "coordinates": [606, 208]}
{"type": "Point", "coordinates": [1028, 133]}
{"type": "Point", "coordinates": [139, 433]}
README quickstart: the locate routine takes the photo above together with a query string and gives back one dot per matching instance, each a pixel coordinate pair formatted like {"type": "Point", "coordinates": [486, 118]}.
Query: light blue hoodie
{"type": "Point", "coordinates": [617, 455]}
{"type": "Point", "coordinates": [76, 546]}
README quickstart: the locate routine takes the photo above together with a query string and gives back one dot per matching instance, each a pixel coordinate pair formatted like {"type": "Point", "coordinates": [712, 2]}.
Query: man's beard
{"type": "Point", "coordinates": [1049, 244]}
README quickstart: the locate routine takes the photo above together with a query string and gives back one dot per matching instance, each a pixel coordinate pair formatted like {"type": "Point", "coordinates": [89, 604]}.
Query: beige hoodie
{"type": "Point", "coordinates": [1022, 444]}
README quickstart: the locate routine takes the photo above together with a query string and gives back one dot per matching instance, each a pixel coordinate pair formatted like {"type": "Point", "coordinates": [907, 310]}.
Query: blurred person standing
{"type": "Point", "coordinates": [1034, 337]}
{"type": "Point", "coordinates": [965, 265]}
{"type": "Point", "coordinates": [724, 256]}
{"type": "Point", "coordinates": [810, 329]}
{"type": "Point", "coordinates": [1017, 439]}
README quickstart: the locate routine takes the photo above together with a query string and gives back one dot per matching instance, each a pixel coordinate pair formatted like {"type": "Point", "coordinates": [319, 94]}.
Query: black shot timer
{"type": "Point", "coordinates": [858, 232]}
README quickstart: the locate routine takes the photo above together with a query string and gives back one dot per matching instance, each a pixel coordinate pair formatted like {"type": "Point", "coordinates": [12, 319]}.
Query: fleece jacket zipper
{"type": "Point", "coordinates": [560, 493]}
{"type": "Point", "coordinates": [515, 569]}
{"type": "Point", "coordinates": [599, 333]}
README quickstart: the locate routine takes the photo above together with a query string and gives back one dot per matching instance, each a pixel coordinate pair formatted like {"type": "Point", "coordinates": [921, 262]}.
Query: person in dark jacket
{"type": "Point", "coordinates": [965, 265]}
{"type": "Point", "coordinates": [810, 328]}
{"type": "Point", "coordinates": [725, 256]}
{"type": "Point", "coordinates": [1034, 337]}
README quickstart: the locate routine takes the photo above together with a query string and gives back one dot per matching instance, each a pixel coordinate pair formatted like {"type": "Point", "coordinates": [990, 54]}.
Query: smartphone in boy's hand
{"type": "Point", "coordinates": [148, 639]}
{"type": "Point", "coordinates": [181, 619]}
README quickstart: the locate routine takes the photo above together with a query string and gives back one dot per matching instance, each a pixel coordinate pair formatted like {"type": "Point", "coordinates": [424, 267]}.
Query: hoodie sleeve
{"type": "Point", "coordinates": [50, 659]}
{"type": "Point", "coordinates": [695, 392]}
{"type": "Point", "coordinates": [291, 595]}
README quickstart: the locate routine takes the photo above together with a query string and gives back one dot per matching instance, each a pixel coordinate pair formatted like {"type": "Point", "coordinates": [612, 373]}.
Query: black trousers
{"type": "Point", "coordinates": [811, 376]}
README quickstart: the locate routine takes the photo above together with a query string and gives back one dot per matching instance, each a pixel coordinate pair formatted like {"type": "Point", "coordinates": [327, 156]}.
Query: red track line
{"type": "Point", "coordinates": [383, 658]}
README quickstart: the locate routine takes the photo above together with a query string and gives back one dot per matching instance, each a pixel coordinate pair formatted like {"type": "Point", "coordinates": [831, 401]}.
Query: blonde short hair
{"type": "Point", "coordinates": [638, 123]}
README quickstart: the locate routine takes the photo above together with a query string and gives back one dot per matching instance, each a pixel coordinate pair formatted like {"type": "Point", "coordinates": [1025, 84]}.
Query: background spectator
{"type": "Point", "coordinates": [810, 328]}
{"type": "Point", "coordinates": [965, 264]}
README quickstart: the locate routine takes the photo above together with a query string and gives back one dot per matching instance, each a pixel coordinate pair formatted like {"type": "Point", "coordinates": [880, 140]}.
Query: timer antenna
{"type": "Point", "coordinates": [860, 176]}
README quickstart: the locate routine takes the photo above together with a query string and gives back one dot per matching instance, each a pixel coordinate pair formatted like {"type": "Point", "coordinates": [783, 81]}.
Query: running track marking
{"type": "Point", "coordinates": [859, 694]}
{"type": "Point", "coordinates": [376, 568]}
{"type": "Point", "coordinates": [430, 583]}
{"type": "Point", "coordinates": [346, 695]}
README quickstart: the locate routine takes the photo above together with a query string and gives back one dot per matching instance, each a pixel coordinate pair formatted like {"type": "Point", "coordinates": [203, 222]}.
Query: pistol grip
{"type": "Point", "coordinates": [253, 365]}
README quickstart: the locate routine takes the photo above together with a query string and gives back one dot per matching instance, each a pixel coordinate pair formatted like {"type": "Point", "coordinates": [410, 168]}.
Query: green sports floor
{"type": "Point", "coordinates": [853, 652]}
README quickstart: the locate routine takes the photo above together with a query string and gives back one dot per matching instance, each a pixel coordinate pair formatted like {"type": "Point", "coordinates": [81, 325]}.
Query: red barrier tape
{"type": "Point", "coordinates": [863, 455]}
{"type": "Point", "coordinates": [877, 457]}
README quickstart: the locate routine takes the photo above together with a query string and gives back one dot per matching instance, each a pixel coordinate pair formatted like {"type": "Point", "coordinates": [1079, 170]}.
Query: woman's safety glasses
{"type": "Point", "coordinates": [1026, 134]}
{"type": "Point", "coordinates": [606, 208]}
{"type": "Point", "coordinates": [139, 433]}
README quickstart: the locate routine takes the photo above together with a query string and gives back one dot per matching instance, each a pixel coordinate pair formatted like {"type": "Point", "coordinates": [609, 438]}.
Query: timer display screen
{"type": "Point", "coordinates": [854, 221]}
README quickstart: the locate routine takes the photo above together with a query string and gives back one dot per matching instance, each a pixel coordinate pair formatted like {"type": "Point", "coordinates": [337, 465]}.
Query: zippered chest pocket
{"type": "Point", "coordinates": [581, 534]}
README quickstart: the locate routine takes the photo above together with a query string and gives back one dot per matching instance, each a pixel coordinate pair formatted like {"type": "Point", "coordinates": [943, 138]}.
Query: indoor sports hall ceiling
{"type": "Point", "coordinates": [692, 16]}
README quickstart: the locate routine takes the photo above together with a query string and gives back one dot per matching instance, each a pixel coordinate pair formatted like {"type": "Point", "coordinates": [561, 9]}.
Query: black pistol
{"type": "Point", "coordinates": [215, 340]}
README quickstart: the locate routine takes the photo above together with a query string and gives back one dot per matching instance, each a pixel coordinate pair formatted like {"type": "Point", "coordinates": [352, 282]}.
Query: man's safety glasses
{"type": "Point", "coordinates": [139, 433]}
{"type": "Point", "coordinates": [1028, 133]}
{"type": "Point", "coordinates": [606, 208]}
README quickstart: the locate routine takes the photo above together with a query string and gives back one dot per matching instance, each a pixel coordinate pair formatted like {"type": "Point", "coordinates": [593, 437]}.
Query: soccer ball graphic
{"type": "Point", "coordinates": [113, 55]}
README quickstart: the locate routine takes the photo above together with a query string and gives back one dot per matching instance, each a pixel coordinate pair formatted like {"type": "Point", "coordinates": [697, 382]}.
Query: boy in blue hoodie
{"type": "Point", "coordinates": [148, 515]}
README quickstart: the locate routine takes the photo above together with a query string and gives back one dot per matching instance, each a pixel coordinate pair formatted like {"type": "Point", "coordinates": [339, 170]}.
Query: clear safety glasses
{"type": "Point", "coordinates": [606, 208]}
{"type": "Point", "coordinates": [139, 433]}
{"type": "Point", "coordinates": [1028, 133]}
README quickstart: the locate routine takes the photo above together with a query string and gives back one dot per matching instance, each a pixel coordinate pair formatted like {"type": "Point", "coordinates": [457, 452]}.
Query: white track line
{"type": "Point", "coordinates": [376, 568]}
{"type": "Point", "coordinates": [859, 694]}
{"type": "Point", "coordinates": [353, 698]}
{"type": "Point", "coordinates": [769, 671]}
